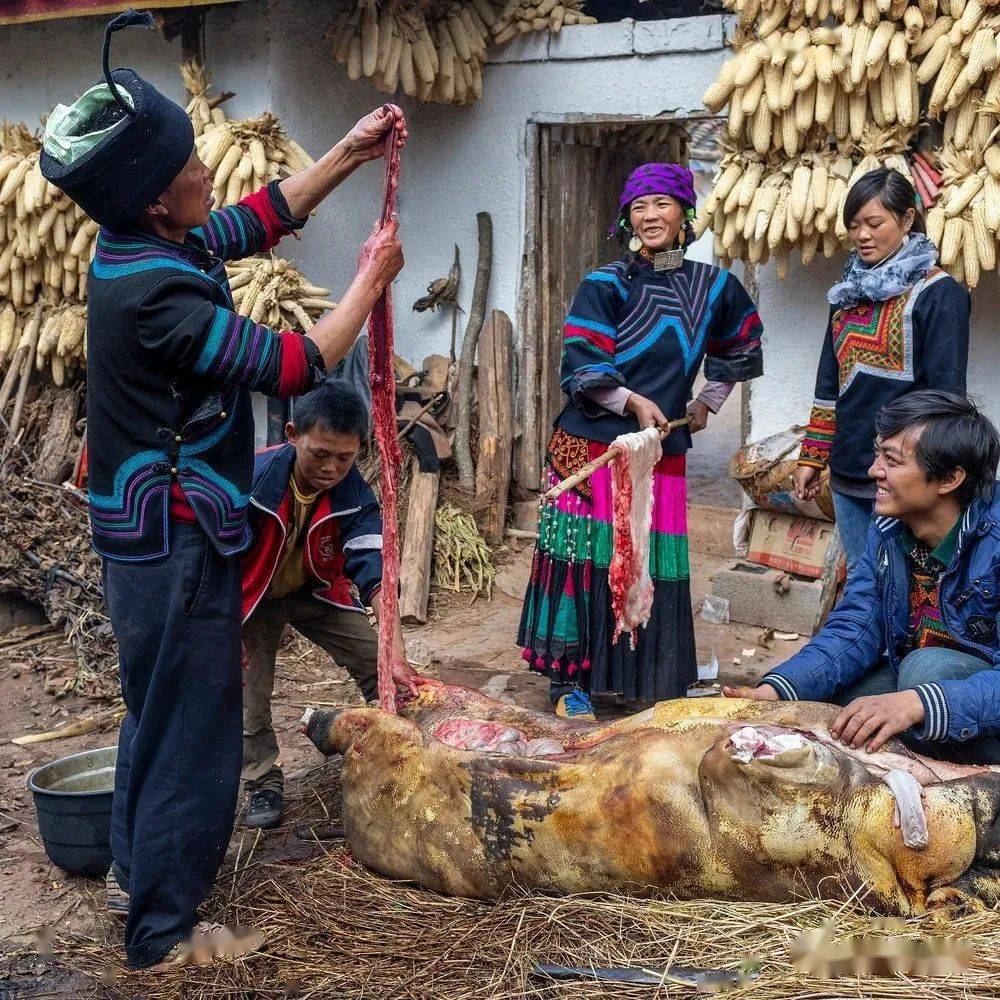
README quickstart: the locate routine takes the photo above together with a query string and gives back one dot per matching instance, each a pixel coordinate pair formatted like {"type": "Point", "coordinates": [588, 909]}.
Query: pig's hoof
{"type": "Point", "coordinates": [954, 902]}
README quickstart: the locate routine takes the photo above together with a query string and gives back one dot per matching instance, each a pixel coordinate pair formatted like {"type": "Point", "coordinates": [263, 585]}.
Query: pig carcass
{"type": "Point", "coordinates": [719, 798]}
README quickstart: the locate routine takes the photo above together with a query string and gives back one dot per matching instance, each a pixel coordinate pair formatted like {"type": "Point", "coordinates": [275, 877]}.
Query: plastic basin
{"type": "Point", "coordinates": [73, 805]}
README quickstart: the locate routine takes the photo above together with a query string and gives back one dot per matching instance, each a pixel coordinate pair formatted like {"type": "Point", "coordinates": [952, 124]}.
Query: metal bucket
{"type": "Point", "coordinates": [73, 804]}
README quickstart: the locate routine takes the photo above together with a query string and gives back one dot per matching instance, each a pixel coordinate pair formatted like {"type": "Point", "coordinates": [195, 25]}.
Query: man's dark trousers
{"type": "Point", "coordinates": [177, 621]}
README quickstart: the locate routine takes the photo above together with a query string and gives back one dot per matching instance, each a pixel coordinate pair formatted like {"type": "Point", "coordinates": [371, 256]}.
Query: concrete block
{"type": "Point", "coordinates": [530, 47]}
{"type": "Point", "coordinates": [683, 34]}
{"type": "Point", "coordinates": [593, 41]}
{"type": "Point", "coordinates": [753, 599]}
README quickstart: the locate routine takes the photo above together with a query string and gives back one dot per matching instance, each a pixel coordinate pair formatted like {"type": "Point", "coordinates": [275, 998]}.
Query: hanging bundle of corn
{"type": "Point", "coordinates": [433, 51]}
{"type": "Point", "coordinates": [62, 343]}
{"type": "Point", "coordinates": [243, 155]}
{"type": "Point", "coordinates": [840, 79]}
{"type": "Point", "coordinates": [519, 17]}
{"type": "Point", "coordinates": [203, 110]}
{"type": "Point", "coordinates": [957, 55]}
{"type": "Point", "coordinates": [58, 346]}
{"type": "Point", "coordinates": [761, 209]}
{"type": "Point", "coordinates": [271, 291]}
{"type": "Point", "coordinates": [25, 197]}
{"type": "Point", "coordinates": [767, 15]}
{"type": "Point", "coordinates": [965, 223]}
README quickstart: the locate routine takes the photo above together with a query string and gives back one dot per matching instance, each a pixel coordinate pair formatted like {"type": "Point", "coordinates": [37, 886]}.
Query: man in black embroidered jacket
{"type": "Point", "coordinates": [170, 431]}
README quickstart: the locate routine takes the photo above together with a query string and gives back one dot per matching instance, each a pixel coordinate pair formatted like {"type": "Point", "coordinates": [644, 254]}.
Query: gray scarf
{"type": "Point", "coordinates": [860, 283]}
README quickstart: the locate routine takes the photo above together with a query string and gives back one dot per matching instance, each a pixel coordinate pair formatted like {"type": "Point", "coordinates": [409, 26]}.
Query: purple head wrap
{"type": "Point", "coordinates": [660, 178]}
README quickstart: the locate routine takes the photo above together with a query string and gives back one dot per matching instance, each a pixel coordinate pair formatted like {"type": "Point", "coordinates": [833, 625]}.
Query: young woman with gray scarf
{"type": "Point", "coordinates": [897, 323]}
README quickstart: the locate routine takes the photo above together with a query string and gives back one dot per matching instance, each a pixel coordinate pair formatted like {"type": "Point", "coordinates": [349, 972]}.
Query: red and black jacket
{"type": "Point", "coordinates": [343, 543]}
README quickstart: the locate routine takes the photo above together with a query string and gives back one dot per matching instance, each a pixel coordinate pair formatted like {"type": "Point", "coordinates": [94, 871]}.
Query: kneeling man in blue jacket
{"type": "Point", "coordinates": [912, 649]}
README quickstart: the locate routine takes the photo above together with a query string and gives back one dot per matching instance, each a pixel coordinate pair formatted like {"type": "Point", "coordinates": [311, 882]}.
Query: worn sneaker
{"type": "Point", "coordinates": [265, 809]}
{"type": "Point", "coordinates": [577, 706]}
{"type": "Point", "coordinates": [117, 897]}
{"type": "Point", "coordinates": [211, 943]}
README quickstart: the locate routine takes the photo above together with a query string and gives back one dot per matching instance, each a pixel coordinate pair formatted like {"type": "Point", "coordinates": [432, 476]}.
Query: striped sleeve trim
{"type": "Point", "coordinates": [936, 717]}
{"type": "Point", "coordinates": [235, 350]}
{"type": "Point", "coordinates": [784, 687]}
{"type": "Point", "coordinates": [815, 450]}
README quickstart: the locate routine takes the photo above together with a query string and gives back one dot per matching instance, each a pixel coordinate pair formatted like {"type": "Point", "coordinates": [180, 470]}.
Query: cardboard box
{"type": "Point", "coordinates": [791, 543]}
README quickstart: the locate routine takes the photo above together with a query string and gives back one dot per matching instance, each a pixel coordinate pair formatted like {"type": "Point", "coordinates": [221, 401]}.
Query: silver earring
{"type": "Point", "coordinates": [635, 244]}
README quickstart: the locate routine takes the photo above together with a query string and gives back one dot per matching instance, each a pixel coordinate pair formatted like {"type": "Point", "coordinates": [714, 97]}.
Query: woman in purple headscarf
{"type": "Point", "coordinates": [633, 344]}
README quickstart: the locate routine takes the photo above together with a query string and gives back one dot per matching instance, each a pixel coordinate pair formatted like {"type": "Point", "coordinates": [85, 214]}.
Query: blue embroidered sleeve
{"type": "Point", "coordinates": [733, 349]}
{"type": "Point", "coordinates": [589, 334]}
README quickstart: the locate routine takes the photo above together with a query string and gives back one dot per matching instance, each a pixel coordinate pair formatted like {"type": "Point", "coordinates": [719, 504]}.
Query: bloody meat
{"type": "Point", "coordinates": [383, 385]}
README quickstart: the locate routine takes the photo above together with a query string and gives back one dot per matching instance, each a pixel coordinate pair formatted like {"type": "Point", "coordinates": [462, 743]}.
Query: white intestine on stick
{"type": "Point", "coordinates": [632, 506]}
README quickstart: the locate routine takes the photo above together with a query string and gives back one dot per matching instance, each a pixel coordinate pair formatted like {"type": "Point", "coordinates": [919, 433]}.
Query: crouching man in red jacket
{"type": "Point", "coordinates": [315, 563]}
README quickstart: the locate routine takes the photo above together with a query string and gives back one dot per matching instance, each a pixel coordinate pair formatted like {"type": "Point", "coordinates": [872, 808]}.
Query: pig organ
{"type": "Point", "coordinates": [727, 799]}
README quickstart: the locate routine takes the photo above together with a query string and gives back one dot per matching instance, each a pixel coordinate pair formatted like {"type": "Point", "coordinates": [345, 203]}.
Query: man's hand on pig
{"type": "Point", "coordinates": [405, 676]}
{"type": "Point", "coordinates": [763, 693]}
{"type": "Point", "coordinates": [875, 719]}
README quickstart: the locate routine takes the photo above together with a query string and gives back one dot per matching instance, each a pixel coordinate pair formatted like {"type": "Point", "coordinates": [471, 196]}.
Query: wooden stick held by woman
{"type": "Point", "coordinates": [598, 463]}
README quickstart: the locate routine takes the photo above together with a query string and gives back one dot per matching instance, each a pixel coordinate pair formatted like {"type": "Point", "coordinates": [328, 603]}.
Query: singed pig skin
{"type": "Point", "coordinates": [656, 803]}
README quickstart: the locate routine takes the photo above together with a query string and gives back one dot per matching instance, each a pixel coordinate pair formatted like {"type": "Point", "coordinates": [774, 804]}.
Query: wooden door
{"type": "Point", "coordinates": [580, 187]}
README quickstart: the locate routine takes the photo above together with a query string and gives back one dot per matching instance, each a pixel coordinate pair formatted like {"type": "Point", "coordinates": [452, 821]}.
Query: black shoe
{"type": "Point", "coordinates": [265, 809]}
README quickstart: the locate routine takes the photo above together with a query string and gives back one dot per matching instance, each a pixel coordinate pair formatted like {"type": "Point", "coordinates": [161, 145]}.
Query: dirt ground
{"type": "Point", "coordinates": [465, 642]}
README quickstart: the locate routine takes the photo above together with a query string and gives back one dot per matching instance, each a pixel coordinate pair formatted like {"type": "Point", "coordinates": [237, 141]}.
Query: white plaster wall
{"type": "Point", "coordinates": [464, 160]}
{"type": "Point", "coordinates": [48, 62]}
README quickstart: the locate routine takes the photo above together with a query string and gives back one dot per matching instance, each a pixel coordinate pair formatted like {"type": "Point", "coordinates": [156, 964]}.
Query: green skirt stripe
{"type": "Point", "coordinates": [577, 539]}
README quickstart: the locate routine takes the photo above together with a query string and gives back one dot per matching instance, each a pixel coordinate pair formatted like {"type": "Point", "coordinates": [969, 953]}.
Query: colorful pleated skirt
{"type": "Point", "coordinates": [567, 626]}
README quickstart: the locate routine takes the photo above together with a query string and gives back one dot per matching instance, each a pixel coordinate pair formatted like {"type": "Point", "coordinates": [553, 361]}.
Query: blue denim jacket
{"type": "Point", "coordinates": [872, 622]}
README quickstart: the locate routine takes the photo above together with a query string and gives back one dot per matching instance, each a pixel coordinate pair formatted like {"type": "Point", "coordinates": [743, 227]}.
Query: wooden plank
{"type": "Point", "coordinates": [550, 158]}
{"type": "Point", "coordinates": [527, 456]}
{"type": "Point", "coordinates": [496, 422]}
{"type": "Point", "coordinates": [418, 545]}
{"type": "Point", "coordinates": [57, 454]}
{"type": "Point", "coordinates": [25, 11]}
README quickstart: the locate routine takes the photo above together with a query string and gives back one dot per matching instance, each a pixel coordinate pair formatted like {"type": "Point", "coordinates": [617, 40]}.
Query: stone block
{"type": "Point", "coordinates": [753, 599]}
{"type": "Point", "coordinates": [593, 41]}
{"type": "Point", "coordinates": [525, 515]}
{"type": "Point", "coordinates": [530, 47]}
{"type": "Point", "coordinates": [683, 34]}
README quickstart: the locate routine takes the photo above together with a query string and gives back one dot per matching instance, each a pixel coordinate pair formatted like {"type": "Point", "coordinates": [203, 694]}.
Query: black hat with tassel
{"type": "Point", "coordinates": [120, 146]}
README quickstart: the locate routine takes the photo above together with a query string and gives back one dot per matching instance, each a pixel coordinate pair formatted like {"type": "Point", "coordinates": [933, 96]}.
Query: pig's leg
{"type": "Point", "coordinates": [909, 814]}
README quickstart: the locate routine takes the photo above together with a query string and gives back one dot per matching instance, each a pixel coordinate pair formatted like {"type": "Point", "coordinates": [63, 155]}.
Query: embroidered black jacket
{"type": "Point", "coordinates": [170, 367]}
